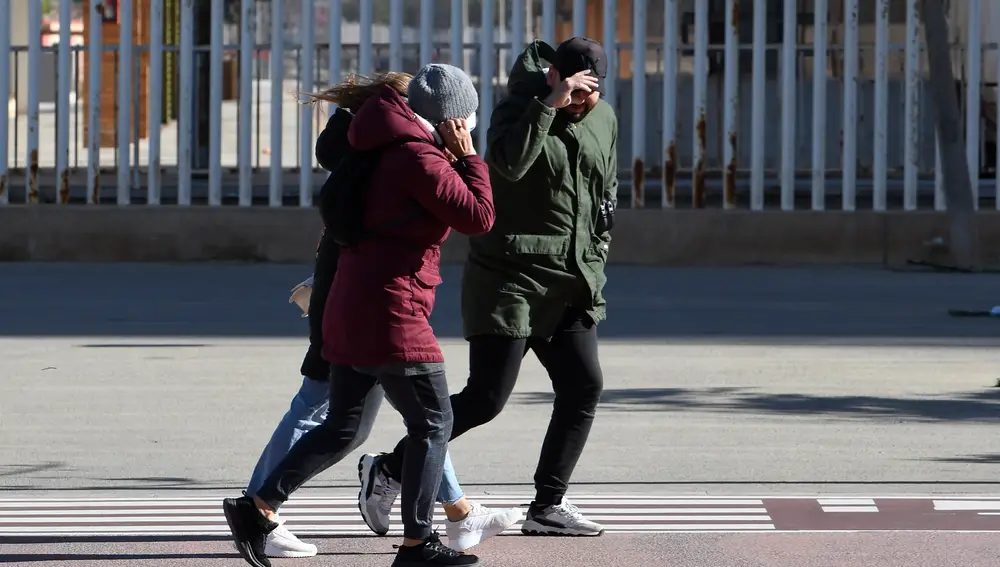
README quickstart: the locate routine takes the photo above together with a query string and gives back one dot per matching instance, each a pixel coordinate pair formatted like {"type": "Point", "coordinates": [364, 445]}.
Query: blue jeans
{"type": "Point", "coordinates": [308, 409]}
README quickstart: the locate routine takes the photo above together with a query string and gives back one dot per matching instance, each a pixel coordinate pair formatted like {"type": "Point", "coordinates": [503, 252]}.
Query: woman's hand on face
{"type": "Point", "coordinates": [457, 138]}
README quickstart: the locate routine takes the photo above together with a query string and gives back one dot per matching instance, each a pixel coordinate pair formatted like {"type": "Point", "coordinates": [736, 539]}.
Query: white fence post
{"type": "Point", "coordinates": [518, 30]}
{"type": "Point", "coordinates": [700, 132]}
{"type": "Point", "coordinates": [731, 96]}
{"type": "Point", "coordinates": [611, 48]}
{"type": "Point", "coordinates": [336, 45]}
{"type": "Point", "coordinates": [34, 62]}
{"type": "Point", "coordinates": [973, 94]}
{"type": "Point", "coordinates": [638, 102]}
{"type": "Point", "coordinates": [850, 125]}
{"type": "Point", "coordinates": [307, 84]}
{"type": "Point", "coordinates": [668, 198]}
{"type": "Point", "coordinates": [426, 32]}
{"type": "Point", "coordinates": [5, 55]}
{"type": "Point", "coordinates": [248, 34]}
{"type": "Point", "coordinates": [155, 108]}
{"type": "Point", "coordinates": [215, 106]}
{"type": "Point", "coordinates": [185, 118]}
{"type": "Point", "coordinates": [881, 104]}
{"type": "Point", "coordinates": [579, 17]}
{"type": "Point", "coordinates": [758, 120]}
{"type": "Point", "coordinates": [457, 47]}
{"type": "Point", "coordinates": [95, 61]}
{"type": "Point", "coordinates": [789, 93]}
{"type": "Point", "coordinates": [64, 75]}
{"type": "Point", "coordinates": [277, 74]}
{"type": "Point", "coordinates": [911, 162]}
{"type": "Point", "coordinates": [486, 72]}
{"type": "Point", "coordinates": [126, 98]}
{"type": "Point", "coordinates": [549, 21]}
{"type": "Point", "coordinates": [396, 35]}
{"type": "Point", "coordinates": [365, 48]}
{"type": "Point", "coordinates": [819, 106]}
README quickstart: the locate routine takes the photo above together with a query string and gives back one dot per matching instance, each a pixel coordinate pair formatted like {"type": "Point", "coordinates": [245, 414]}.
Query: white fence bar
{"type": "Point", "coordinates": [94, 64]}
{"type": "Point", "coordinates": [850, 127]}
{"type": "Point", "coordinates": [5, 55]}
{"type": "Point", "coordinates": [34, 62]}
{"type": "Point", "coordinates": [911, 161]}
{"type": "Point", "coordinates": [396, 35]}
{"type": "Point", "coordinates": [248, 35]}
{"type": "Point", "coordinates": [155, 108]}
{"type": "Point", "coordinates": [277, 74]}
{"type": "Point", "coordinates": [518, 28]}
{"type": "Point", "coordinates": [549, 21]}
{"type": "Point", "coordinates": [973, 94]}
{"type": "Point", "coordinates": [881, 104]}
{"type": "Point", "coordinates": [638, 102]}
{"type": "Point", "coordinates": [336, 45]}
{"type": "Point", "coordinates": [307, 83]}
{"type": "Point", "coordinates": [62, 113]}
{"type": "Point", "coordinates": [700, 122]}
{"type": "Point", "coordinates": [126, 96]}
{"type": "Point", "coordinates": [788, 104]}
{"type": "Point", "coordinates": [365, 48]}
{"type": "Point", "coordinates": [426, 32]}
{"type": "Point", "coordinates": [457, 34]}
{"type": "Point", "coordinates": [610, 47]}
{"type": "Point", "coordinates": [820, 14]}
{"type": "Point", "coordinates": [486, 73]}
{"type": "Point", "coordinates": [731, 96]}
{"type": "Point", "coordinates": [215, 106]}
{"type": "Point", "coordinates": [996, 193]}
{"type": "Point", "coordinates": [579, 17]}
{"type": "Point", "coordinates": [940, 202]}
{"type": "Point", "coordinates": [758, 132]}
{"type": "Point", "coordinates": [670, 59]}
{"type": "Point", "coordinates": [185, 118]}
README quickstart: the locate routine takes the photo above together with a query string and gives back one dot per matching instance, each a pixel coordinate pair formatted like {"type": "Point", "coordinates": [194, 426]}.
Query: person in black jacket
{"type": "Point", "coordinates": [309, 405]}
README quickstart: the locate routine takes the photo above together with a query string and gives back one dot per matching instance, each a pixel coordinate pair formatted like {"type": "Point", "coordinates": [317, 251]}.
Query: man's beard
{"type": "Point", "coordinates": [571, 115]}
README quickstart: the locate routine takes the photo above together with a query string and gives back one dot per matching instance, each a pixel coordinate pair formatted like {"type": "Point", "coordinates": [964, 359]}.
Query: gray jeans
{"type": "Point", "coordinates": [423, 402]}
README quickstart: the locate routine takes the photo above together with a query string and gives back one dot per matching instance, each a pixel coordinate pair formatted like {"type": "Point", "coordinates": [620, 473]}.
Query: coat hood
{"type": "Point", "coordinates": [528, 74]}
{"type": "Point", "coordinates": [332, 144]}
{"type": "Point", "coordinates": [384, 118]}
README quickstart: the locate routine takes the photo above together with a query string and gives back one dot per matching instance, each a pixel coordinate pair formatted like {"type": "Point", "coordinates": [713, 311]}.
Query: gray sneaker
{"type": "Point", "coordinates": [378, 493]}
{"type": "Point", "coordinates": [560, 519]}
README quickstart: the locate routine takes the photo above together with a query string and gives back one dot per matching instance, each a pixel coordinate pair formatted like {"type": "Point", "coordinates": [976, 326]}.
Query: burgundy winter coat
{"type": "Point", "coordinates": [384, 289]}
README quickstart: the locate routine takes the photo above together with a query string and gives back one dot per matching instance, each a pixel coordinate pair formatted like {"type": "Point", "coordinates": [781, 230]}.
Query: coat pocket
{"type": "Point", "coordinates": [537, 244]}
{"type": "Point", "coordinates": [423, 284]}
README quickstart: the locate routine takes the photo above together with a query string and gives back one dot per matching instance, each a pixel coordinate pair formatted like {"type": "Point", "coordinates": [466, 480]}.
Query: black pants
{"type": "Point", "coordinates": [570, 358]}
{"type": "Point", "coordinates": [327, 256]}
{"type": "Point", "coordinates": [354, 401]}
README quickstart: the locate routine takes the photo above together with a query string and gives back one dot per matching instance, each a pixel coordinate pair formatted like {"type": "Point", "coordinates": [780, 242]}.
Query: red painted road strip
{"type": "Point", "coordinates": [807, 514]}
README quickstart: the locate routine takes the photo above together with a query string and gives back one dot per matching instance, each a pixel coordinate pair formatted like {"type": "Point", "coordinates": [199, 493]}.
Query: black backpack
{"type": "Point", "coordinates": [343, 197]}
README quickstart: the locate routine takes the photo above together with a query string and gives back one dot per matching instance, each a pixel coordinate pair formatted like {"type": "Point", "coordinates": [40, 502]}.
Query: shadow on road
{"type": "Point", "coordinates": [755, 305]}
{"type": "Point", "coordinates": [979, 406]}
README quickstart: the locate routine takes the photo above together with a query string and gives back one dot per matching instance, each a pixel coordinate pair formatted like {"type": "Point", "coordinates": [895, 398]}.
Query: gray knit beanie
{"type": "Point", "coordinates": [441, 92]}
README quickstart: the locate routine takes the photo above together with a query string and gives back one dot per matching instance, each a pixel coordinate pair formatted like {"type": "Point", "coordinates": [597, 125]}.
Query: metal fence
{"type": "Point", "coordinates": [740, 104]}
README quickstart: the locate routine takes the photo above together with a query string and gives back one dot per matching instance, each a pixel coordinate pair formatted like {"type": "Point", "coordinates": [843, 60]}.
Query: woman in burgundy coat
{"type": "Point", "coordinates": [375, 326]}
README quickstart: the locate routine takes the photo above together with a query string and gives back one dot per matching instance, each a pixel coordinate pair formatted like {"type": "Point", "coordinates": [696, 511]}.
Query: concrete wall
{"type": "Point", "coordinates": [646, 237]}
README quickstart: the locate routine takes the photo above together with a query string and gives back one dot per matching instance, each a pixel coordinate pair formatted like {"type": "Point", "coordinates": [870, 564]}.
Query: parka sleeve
{"type": "Point", "coordinates": [516, 136]}
{"type": "Point", "coordinates": [459, 194]}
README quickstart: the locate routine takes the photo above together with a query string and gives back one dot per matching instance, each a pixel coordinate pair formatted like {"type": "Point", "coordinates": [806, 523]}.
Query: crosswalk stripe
{"type": "Point", "coordinates": [339, 515]}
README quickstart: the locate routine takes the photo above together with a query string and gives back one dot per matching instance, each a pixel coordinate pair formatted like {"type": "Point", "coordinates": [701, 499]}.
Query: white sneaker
{"type": "Point", "coordinates": [283, 543]}
{"type": "Point", "coordinates": [377, 495]}
{"type": "Point", "coordinates": [560, 519]}
{"type": "Point", "coordinates": [481, 524]}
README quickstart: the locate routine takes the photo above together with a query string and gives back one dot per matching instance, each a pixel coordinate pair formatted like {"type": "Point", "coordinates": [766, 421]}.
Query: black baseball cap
{"type": "Point", "coordinates": [581, 54]}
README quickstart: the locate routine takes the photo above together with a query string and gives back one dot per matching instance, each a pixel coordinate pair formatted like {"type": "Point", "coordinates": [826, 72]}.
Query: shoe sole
{"type": "Point", "coordinates": [366, 473]}
{"type": "Point", "coordinates": [290, 554]}
{"type": "Point", "coordinates": [533, 529]}
{"type": "Point", "coordinates": [246, 552]}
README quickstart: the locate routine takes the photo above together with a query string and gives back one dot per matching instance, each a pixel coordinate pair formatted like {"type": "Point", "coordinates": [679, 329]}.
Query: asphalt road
{"type": "Point", "coordinates": [160, 381]}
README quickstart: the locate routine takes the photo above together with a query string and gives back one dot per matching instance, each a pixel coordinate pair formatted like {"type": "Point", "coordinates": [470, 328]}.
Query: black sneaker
{"type": "Point", "coordinates": [431, 552]}
{"type": "Point", "coordinates": [250, 529]}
